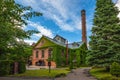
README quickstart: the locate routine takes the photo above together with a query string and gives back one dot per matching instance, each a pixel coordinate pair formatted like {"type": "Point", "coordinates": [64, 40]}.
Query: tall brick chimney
{"type": "Point", "coordinates": [83, 15]}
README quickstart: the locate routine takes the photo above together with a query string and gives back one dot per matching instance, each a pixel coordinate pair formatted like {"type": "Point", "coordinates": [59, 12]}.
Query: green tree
{"type": "Point", "coordinates": [105, 39]}
{"type": "Point", "coordinates": [115, 69]}
{"type": "Point", "coordinates": [12, 17]}
{"type": "Point", "coordinates": [27, 52]}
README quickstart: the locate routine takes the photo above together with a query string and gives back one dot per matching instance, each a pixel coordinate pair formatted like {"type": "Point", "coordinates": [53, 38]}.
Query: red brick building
{"type": "Point", "coordinates": [43, 49]}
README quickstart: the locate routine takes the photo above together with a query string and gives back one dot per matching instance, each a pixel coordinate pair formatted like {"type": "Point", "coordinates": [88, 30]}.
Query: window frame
{"type": "Point", "coordinates": [36, 54]}
{"type": "Point", "coordinates": [42, 53]}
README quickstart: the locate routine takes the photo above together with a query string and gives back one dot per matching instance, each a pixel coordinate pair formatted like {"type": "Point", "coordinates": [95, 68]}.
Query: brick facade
{"type": "Point", "coordinates": [40, 56]}
{"type": "Point", "coordinates": [41, 50]}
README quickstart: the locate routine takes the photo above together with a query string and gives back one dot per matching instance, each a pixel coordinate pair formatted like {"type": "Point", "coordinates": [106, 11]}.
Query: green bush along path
{"type": "Point", "coordinates": [75, 74]}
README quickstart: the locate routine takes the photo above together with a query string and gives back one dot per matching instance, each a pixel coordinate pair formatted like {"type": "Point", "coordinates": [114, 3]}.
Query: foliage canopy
{"type": "Point", "coordinates": [105, 38]}
{"type": "Point", "coordinates": [12, 18]}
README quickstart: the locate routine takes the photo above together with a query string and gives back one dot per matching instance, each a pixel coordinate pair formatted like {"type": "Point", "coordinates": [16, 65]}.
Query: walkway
{"type": "Point", "coordinates": [77, 74]}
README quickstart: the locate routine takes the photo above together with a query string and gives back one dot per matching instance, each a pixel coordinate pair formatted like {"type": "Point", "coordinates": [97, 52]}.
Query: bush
{"type": "Point", "coordinates": [5, 67]}
{"type": "Point", "coordinates": [101, 74]}
{"type": "Point", "coordinates": [71, 66]}
{"type": "Point", "coordinates": [22, 67]}
{"type": "Point", "coordinates": [115, 69]}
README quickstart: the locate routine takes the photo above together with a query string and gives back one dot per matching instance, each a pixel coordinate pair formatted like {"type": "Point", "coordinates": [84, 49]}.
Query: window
{"type": "Point", "coordinates": [42, 54]}
{"type": "Point", "coordinates": [58, 38]}
{"type": "Point", "coordinates": [37, 54]}
{"type": "Point", "coordinates": [62, 52]}
{"type": "Point", "coordinates": [50, 52]}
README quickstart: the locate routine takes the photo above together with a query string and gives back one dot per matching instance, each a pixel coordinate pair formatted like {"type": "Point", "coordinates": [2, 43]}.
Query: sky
{"type": "Point", "coordinates": [60, 17]}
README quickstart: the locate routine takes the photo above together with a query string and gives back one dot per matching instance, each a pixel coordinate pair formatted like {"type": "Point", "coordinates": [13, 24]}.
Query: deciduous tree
{"type": "Point", "coordinates": [12, 18]}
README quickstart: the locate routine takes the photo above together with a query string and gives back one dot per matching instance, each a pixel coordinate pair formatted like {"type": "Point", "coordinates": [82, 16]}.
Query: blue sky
{"type": "Point", "coordinates": [62, 17]}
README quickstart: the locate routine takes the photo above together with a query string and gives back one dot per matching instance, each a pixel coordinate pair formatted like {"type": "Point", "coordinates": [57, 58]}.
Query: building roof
{"type": "Point", "coordinates": [73, 45]}
{"type": "Point", "coordinates": [60, 37]}
{"type": "Point", "coordinates": [55, 41]}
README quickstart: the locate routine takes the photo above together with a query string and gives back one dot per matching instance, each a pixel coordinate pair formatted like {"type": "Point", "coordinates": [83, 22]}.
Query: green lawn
{"type": "Point", "coordinates": [101, 74]}
{"type": "Point", "coordinates": [44, 73]}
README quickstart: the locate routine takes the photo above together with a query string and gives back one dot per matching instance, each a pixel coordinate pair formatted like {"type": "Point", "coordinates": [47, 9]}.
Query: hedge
{"type": "Point", "coordinates": [7, 67]}
{"type": "Point", "coordinates": [22, 67]}
{"type": "Point", "coordinates": [115, 69]}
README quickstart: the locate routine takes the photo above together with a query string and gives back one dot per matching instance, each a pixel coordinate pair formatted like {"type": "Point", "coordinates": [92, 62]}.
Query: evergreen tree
{"type": "Point", "coordinates": [105, 39]}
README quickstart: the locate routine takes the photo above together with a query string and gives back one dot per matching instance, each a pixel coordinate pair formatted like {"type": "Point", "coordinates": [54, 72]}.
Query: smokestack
{"type": "Point", "coordinates": [83, 15]}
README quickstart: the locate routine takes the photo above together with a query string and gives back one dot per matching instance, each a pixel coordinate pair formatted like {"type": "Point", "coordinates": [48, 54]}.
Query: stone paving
{"type": "Point", "coordinates": [77, 74]}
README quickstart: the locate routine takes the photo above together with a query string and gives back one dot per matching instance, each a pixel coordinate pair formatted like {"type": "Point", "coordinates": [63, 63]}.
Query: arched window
{"type": "Point", "coordinates": [62, 52]}
{"type": "Point", "coordinates": [50, 52]}
{"type": "Point", "coordinates": [37, 54]}
{"type": "Point", "coordinates": [42, 54]}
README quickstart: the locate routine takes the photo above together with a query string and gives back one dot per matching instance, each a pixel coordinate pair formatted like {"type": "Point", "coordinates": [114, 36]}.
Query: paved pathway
{"type": "Point", "coordinates": [77, 74]}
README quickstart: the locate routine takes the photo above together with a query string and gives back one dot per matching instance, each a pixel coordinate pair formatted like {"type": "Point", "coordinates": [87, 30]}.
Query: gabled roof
{"type": "Point", "coordinates": [55, 41]}
{"type": "Point", "coordinates": [73, 45]}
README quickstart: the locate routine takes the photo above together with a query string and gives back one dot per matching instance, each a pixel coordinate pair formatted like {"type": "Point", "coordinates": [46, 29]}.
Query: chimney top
{"type": "Point", "coordinates": [83, 10]}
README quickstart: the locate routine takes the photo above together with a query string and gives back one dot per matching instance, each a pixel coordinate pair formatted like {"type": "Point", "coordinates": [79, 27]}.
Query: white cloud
{"type": "Point", "coordinates": [30, 41]}
{"type": "Point", "coordinates": [41, 29]}
{"type": "Point", "coordinates": [58, 11]}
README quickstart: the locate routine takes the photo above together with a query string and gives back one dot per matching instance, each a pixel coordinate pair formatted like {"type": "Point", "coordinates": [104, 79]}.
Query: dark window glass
{"type": "Point", "coordinates": [50, 53]}
{"type": "Point", "coordinates": [37, 54]}
{"type": "Point", "coordinates": [42, 53]}
{"type": "Point", "coordinates": [62, 52]}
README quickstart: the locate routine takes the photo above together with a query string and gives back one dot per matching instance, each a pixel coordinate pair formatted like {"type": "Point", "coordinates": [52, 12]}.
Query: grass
{"type": "Point", "coordinates": [44, 73]}
{"type": "Point", "coordinates": [101, 74]}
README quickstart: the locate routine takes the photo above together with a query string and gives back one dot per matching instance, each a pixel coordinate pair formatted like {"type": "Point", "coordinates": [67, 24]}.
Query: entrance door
{"type": "Point", "coordinates": [41, 63]}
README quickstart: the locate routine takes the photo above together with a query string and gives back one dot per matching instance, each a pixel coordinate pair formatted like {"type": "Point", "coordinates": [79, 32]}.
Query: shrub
{"type": "Point", "coordinates": [71, 66]}
{"type": "Point", "coordinates": [5, 67]}
{"type": "Point", "coordinates": [22, 67]}
{"type": "Point", "coordinates": [12, 68]}
{"type": "Point", "coordinates": [109, 78]}
{"type": "Point", "coordinates": [115, 69]}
